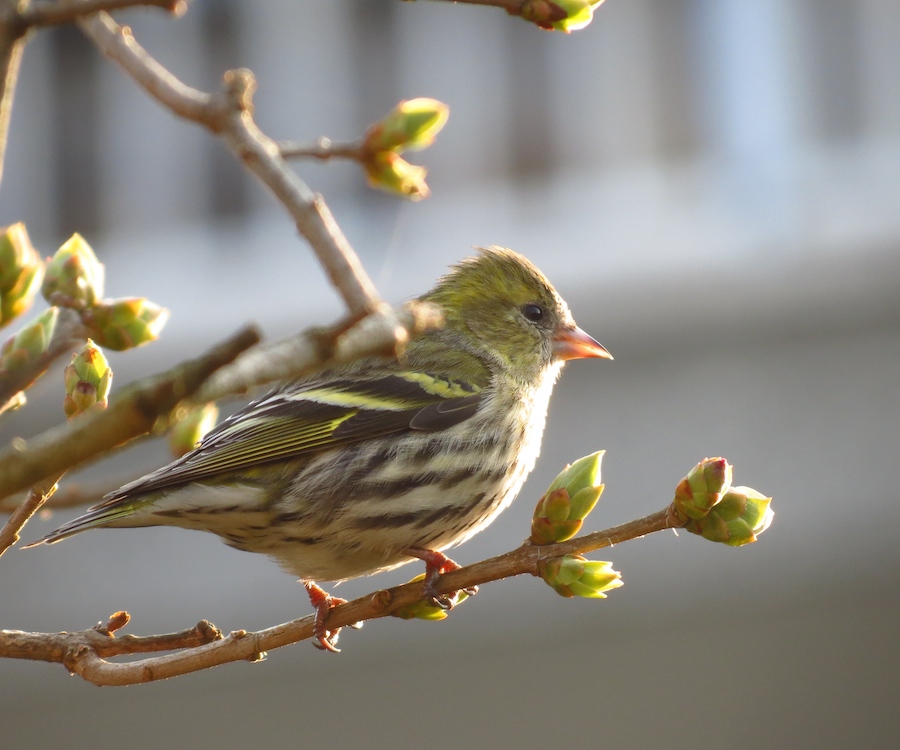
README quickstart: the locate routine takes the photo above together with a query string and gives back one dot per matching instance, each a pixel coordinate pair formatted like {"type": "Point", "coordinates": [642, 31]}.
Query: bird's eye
{"type": "Point", "coordinates": [533, 312]}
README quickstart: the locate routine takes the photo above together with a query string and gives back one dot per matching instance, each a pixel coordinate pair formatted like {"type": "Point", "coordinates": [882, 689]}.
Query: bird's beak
{"type": "Point", "coordinates": [573, 343]}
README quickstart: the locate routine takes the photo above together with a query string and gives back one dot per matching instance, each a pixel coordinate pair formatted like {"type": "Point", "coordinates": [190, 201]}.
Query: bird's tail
{"type": "Point", "coordinates": [112, 512]}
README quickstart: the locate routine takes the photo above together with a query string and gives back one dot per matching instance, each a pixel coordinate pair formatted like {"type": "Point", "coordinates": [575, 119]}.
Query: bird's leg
{"type": "Point", "coordinates": [323, 602]}
{"type": "Point", "coordinates": [437, 563]}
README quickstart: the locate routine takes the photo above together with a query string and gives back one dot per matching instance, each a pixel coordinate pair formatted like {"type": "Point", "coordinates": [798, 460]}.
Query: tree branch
{"type": "Point", "coordinates": [229, 115]}
{"type": "Point", "coordinates": [55, 14]}
{"type": "Point", "coordinates": [382, 333]}
{"type": "Point", "coordinates": [12, 45]}
{"type": "Point", "coordinates": [134, 412]}
{"type": "Point", "coordinates": [322, 149]}
{"type": "Point", "coordinates": [82, 652]}
{"type": "Point", "coordinates": [9, 534]}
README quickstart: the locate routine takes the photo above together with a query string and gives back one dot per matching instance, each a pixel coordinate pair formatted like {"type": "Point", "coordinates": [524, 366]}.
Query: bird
{"type": "Point", "coordinates": [366, 466]}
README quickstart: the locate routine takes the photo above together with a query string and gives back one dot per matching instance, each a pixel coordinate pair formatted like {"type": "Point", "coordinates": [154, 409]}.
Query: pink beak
{"type": "Point", "coordinates": [573, 343]}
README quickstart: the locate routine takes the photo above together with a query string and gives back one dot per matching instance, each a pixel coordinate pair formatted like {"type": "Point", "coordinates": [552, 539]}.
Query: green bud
{"type": "Point", "coordinates": [389, 172]}
{"type": "Point", "coordinates": [21, 271]}
{"type": "Point", "coordinates": [574, 575]}
{"type": "Point", "coordinates": [191, 427]}
{"type": "Point", "coordinates": [30, 342]}
{"type": "Point", "coordinates": [412, 124]}
{"type": "Point", "coordinates": [125, 323]}
{"type": "Point", "coordinates": [584, 473]}
{"type": "Point", "coordinates": [741, 516]}
{"type": "Point", "coordinates": [422, 610]}
{"type": "Point", "coordinates": [560, 15]}
{"type": "Point", "coordinates": [560, 513]}
{"type": "Point", "coordinates": [74, 275]}
{"type": "Point", "coordinates": [702, 488]}
{"type": "Point", "coordinates": [88, 379]}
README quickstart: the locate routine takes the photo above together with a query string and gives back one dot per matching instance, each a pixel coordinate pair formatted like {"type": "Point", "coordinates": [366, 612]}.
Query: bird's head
{"type": "Point", "coordinates": [500, 302]}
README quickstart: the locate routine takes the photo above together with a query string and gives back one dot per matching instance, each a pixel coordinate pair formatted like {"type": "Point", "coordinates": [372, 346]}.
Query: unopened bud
{"type": "Point", "coordinates": [702, 488]}
{"type": "Point", "coordinates": [559, 15]}
{"type": "Point", "coordinates": [574, 575]}
{"type": "Point", "coordinates": [422, 610]}
{"type": "Point", "coordinates": [74, 276]}
{"type": "Point", "coordinates": [412, 124]}
{"type": "Point", "coordinates": [125, 323]}
{"type": "Point", "coordinates": [560, 513]}
{"type": "Point", "coordinates": [387, 171]}
{"type": "Point", "coordinates": [26, 346]}
{"type": "Point", "coordinates": [741, 516]}
{"type": "Point", "coordinates": [21, 271]}
{"type": "Point", "coordinates": [88, 379]}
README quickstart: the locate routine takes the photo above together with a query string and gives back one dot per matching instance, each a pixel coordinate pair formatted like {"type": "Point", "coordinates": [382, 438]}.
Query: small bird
{"type": "Point", "coordinates": [366, 466]}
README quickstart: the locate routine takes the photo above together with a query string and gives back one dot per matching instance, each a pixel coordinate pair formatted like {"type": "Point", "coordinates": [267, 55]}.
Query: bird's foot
{"type": "Point", "coordinates": [323, 602]}
{"type": "Point", "coordinates": [436, 564]}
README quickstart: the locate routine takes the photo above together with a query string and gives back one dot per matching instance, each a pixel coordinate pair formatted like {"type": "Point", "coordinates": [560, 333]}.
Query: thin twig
{"type": "Point", "coordinates": [322, 149]}
{"type": "Point", "coordinates": [12, 45]}
{"type": "Point", "coordinates": [81, 654]}
{"type": "Point", "coordinates": [229, 114]}
{"type": "Point", "coordinates": [55, 14]}
{"type": "Point", "coordinates": [513, 7]}
{"type": "Point", "coordinates": [134, 412]}
{"type": "Point", "coordinates": [9, 534]}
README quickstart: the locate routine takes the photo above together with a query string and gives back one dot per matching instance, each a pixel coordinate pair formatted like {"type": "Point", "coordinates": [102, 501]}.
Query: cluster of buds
{"type": "Point", "coordinates": [88, 379]}
{"type": "Point", "coordinates": [574, 575]}
{"type": "Point", "coordinates": [190, 428]}
{"type": "Point", "coordinates": [741, 516]}
{"type": "Point", "coordinates": [411, 125]}
{"type": "Point", "coordinates": [706, 504]}
{"type": "Point", "coordinates": [423, 610]}
{"type": "Point", "coordinates": [559, 516]}
{"type": "Point", "coordinates": [560, 513]}
{"type": "Point", "coordinates": [21, 271]}
{"type": "Point", "coordinates": [73, 277]}
{"type": "Point", "coordinates": [27, 345]}
{"type": "Point", "coordinates": [559, 15]}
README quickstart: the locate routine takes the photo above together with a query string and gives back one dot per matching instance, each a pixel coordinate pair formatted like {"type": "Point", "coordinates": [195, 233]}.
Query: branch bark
{"type": "Point", "coordinates": [134, 412]}
{"type": "Point", "coordinates": [229, 115]}
{"type": "Point", "coordinates": [55, 14]}
{"type": "Point", "coordinates": [383, 333]}
{"type": "Point", "coordinates": [12, 45]}
{"type": "Point", "coordinates": [83, 652]}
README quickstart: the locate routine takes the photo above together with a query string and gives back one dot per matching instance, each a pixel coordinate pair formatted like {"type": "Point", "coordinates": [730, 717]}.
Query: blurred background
{"type": "Point", "coordinates": [714, 185]}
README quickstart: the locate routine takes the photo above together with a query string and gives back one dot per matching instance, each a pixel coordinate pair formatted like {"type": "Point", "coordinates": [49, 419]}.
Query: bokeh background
{"type": "Point", "coordinates": [714, 185]}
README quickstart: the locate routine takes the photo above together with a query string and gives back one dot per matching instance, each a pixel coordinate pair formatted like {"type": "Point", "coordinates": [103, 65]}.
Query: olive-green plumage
{"type": "Point", "coordinates": [341, 474]}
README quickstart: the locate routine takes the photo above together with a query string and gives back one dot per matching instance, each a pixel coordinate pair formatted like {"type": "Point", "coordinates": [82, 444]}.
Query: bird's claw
{"type": "Point", "coordinates": [436, 564]}
{"type": "Point", "coordinates": [323, 638]}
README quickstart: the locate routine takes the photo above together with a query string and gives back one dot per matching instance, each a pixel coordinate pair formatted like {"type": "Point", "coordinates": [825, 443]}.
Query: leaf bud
{"type": "Point", "coordinates": [74, 277]}
{"type": "Point", "coordinates": [574, 575]}
{"type": "Point", "coordinates": [125, 323]}
{"type": "Point", "coordinates": [739, 518]}
{"type": "Point", "coordinates": [88, 379]}
{"type": "Point", "coordinates": [21, 271]}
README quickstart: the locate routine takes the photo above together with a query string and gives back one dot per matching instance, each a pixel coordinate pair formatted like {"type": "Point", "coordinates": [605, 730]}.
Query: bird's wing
{"type": "Point", "coordinates": [315, 416]}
